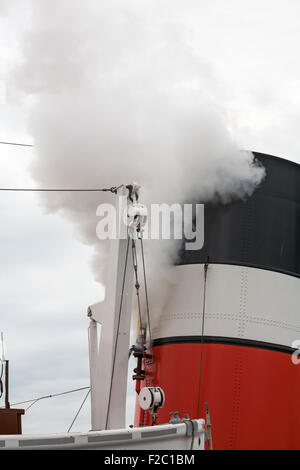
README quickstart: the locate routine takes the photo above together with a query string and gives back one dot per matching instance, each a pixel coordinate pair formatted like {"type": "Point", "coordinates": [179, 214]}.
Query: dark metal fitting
{"type": "Point", "coordinates": [138, 377]}
{"type": "Point", "coordinates": [139, 354]}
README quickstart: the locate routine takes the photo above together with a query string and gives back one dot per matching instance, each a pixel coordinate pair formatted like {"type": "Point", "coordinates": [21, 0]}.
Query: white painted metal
{"type": "Point", "coordinates": [164, 437]}
{"type": "Point", "coordinates": [137, 216]}
{"type": "Point", "coordinates": [241, 302]}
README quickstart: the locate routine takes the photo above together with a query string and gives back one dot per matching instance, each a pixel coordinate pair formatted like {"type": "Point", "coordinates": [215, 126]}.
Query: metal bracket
{"type": "Point", "coordinates": [208, 437]}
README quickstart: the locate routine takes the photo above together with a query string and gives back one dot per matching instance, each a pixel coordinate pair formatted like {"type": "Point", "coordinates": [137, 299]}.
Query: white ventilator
{"type": "Point", "coordinates": [151, 399]}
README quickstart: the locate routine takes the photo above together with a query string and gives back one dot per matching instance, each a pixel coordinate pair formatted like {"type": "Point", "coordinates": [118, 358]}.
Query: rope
{"type": "Point", "coordinates": [117, 333]}
{"type": "Point", "coordinates": [148, 312]}
{"type": "Point", "coordinates": [202, 334]}
{"type": "Point", "coordinates": [80, 408]}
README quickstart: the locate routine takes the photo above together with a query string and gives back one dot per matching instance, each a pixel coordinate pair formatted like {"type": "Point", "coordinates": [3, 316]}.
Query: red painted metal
{"type": "Point", "coordinates": [252, 393]}
{"type": "Point", "coordinates": [10, 421]}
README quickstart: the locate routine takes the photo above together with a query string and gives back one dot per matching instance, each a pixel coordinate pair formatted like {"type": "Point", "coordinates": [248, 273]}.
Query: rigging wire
{"type": "Point", "coordinates": [137, 284]}
{"type": "Point", "coordinates": [49, 396]}
{"type": "Point", "coordinates": [16, 144]}
{"type": "Point", "coordinates": [80, 408]}
{"type": "Point", "coordinates": [33, 403]}
{"type": "Point", "coordinates": [148, 312]}
{"type": "Point", "coordinates": [113, 189]}
{"type": "Point", "coordinates": [202, 335]}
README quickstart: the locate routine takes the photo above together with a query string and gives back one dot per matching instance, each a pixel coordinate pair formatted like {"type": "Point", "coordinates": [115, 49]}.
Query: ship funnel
{"type": "Point", "coordinates": [229, 333]}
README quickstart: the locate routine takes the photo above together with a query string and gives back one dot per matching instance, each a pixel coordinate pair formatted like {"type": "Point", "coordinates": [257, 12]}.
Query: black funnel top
{"type": "Point", "coordinates": [262, 231]}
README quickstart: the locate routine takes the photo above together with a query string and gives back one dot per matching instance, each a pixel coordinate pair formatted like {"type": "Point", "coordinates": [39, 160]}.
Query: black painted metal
{"type": "Point", "coordinates": [263, 231]}
{"type": "Point", "coordinates": [223, 340]}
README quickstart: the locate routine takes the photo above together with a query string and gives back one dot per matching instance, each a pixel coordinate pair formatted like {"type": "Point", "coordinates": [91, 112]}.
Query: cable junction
{"type": "Point", "coordinates": [35, 400]}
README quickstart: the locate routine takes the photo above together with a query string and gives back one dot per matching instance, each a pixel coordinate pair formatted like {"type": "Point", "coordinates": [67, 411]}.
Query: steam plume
{"type": "Point", "coordinates": [119, 94]}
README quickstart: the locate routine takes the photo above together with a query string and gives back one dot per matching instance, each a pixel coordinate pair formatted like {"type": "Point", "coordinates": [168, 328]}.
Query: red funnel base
{"type": "Point", "coordinates": [252, 393]}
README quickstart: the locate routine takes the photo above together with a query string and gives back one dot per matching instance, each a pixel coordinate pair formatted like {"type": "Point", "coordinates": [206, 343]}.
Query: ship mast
{"type": "Point", "coordinates": [109, 346]}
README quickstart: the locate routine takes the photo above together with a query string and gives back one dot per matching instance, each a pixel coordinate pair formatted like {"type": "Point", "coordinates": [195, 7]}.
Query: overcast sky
{"type": "Point", "coordinates": [46, 281]}
{"type": "Point", "coordinates": [250, 48]}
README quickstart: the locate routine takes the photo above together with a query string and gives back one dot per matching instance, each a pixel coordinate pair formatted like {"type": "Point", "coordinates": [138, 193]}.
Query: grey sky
{"type": "Point", "coordinates": [249, 50]}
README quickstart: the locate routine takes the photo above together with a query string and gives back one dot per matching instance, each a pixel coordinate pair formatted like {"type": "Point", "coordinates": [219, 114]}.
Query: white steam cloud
{"type": "Point", "coordinates": [119, 94]}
